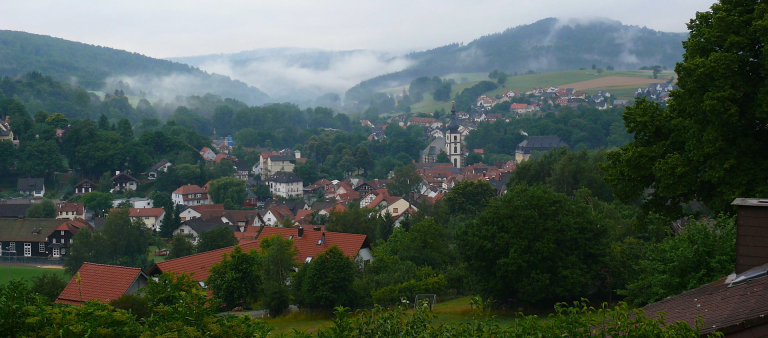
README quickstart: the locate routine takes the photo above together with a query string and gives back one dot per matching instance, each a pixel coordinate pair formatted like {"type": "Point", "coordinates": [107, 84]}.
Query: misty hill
{"type": "Point", "coordinates": [544, 46]}
{"type": "Point", "coordinates": [101, 68]}
{"type": "Point", "coordinates": [299, 74]}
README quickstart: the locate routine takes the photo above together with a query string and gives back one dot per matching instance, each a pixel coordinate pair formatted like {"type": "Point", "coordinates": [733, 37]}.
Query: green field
{"type": "Point", "coordinates": [27, 272]}
{"type": "Point", "coordinates": [450, 312]}
{"type": "Point", "coordinates": [524, 83]}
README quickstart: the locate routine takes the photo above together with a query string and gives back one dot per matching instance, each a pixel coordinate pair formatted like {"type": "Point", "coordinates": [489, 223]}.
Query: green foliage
{"type": "Point", "coordinates": [119, 242]}
{"type": "Point", "coordinates": [468, 198]}
{"type": "Point", "coordinates": [216, 238]}
{"type": "Point", "coordinates": [536, 246]}
{"type": "Point", "coordinates": [39, 157]}
{"type": "Point", "coordinates": [407, 180]}
{"type": "Point", "coordinates": [474, 158]}
{"type": "Point", "coordinates": [279, 260]}
{"type": "Point", "coordinates": [180, 247]}
{"type": "Point", "coordinates": [326, 282]}
{"type": "Point", "coordinates": [702, 253]}
{"type": "Point", "coordinates": [425, 243]}
{"type": "Point", "coordinates": [8, 155]}
{"type": "Point", "coordinates": [236, 280]}
{"type": "Point", "coordinates": [565, 171]}
{"type": "Point", "coordinates": [230, 189]}
{"type": "Point", "coordinates": [442, 157]}
{"type": "Point", "coordinates": [443, 92]}
{"type": "Point", "coordinates": [99, 202]}
{"type": "Point", "coordinates": [355, 220]}
{"type": "Point", "coordinates": [48, 285]}
{"type": "Point", "coordinates": [135, 305]}
{"type": "Point", "coordinates": [705, 146]}
{"type": "Point", "coordinates": [44, 209]}
{"type": "Point", "coordinates": [225, 168]}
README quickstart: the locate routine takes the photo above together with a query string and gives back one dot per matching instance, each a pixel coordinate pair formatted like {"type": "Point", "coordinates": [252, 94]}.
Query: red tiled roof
{"type": "Point", "coordinates": [77, 208]}
{"type": "Point", "coordinates": [146, 212]}
{"type": "Point", "coordinates": [336, 208]}
{"type": "Point", "coordinates": [518, 106]}
{"type": "Point", "coordinates": [301, 213]}
{"type": "Point", "coordinates": [98, 282]}
{"type": "Point", "coordinates": [220, 157]}
{"type": "Point", "coordinates": [202, 207]}
{"type": "Point", "coordinates": [190, 189]}
{"type": "Point", "coordinates": [200, 264]}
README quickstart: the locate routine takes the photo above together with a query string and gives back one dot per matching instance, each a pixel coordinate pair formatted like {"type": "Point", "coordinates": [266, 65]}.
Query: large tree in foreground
{"type": "Point", "coordinates": [710, 143]}
{"type": "Point", "coordinates": [536, 246]}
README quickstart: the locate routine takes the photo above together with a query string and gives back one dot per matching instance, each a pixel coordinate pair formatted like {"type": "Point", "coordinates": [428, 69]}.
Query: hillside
{"type": "Point", "coordinates": [100, 68]}
{"type": "Point", "coordinates": [544, 46]}
{"type": "Point", "coordinates": [621, 84]}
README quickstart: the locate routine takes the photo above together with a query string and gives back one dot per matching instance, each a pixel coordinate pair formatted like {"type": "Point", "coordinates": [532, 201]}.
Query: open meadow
{"type": "Point", "coordinates": [11, 272]}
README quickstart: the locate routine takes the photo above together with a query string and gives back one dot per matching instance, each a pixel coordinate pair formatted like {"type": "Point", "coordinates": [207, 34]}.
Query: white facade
{"type": "Point", "coordinates": [453, 148]}
{"type": "Point", "coordinates": [286, 190]}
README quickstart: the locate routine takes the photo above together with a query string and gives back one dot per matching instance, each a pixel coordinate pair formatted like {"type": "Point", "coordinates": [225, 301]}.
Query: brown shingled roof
{"type": "Point", "coordinates": [725, 308]}
{"type": "Point", "coordinates": [99, 282]}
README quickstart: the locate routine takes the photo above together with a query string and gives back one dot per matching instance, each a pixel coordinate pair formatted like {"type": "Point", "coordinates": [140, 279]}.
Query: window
{"type": "Point", "coordinates": [27, 249]}
{"type": "Point", "coordinates": [62, 232]}
{"type": "Point", "coordinates": [394, 210]}
{"type": "Point", "coordinates": [455, 138]}
{"type": "Point", "coordinates": [54, 240]}
{"type": "Point", "coordinates": [70, 241]}
{"type": "Point", "coordinates": [56, 252]}
{"type": "Point", "coordinates": [12, 246]}
{"type": "Point", "coordinates": [309, 259]}
{"type": "Point", "coordinates": [41, 247]}
{"type": "Point", "coordinates": [181, 231]}
{"type": "Point", "coordinates": [63, 250]}
{"type": "Point", "coordinates": [1, 248]}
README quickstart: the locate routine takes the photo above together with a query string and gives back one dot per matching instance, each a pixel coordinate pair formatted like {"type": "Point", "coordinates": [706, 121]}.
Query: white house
{"type": "Point", "coordinates": [31, 187]}
{"type": "Point", "coordinates": [286, 185]}
{"type": "Point", "coordinates": [190, 195]}
{"type": "Point", "coordinates": [399, 207]}
{"type": "Point", "coordinates": [207, 154]}
{"type": "Point", "coordinates": [152, 217]}
{"type": "Point", "coordinates": [136, 202]}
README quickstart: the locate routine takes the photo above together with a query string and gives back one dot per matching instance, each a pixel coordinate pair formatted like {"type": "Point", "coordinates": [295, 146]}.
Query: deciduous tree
{"type": "Point", "coordinates": [536, 246]}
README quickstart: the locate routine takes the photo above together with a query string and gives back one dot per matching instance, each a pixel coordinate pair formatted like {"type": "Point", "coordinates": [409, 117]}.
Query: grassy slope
{"type": "Point", "coordinates": [524, 83]}
{"type": "Point", "coordinates": [27, 272]}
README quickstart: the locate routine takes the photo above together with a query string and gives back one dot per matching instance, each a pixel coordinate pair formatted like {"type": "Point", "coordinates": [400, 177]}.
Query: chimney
{"type": "Point", "coordinates": [301, 232]}
{"type": "Point", "coordinates": [751, 233]}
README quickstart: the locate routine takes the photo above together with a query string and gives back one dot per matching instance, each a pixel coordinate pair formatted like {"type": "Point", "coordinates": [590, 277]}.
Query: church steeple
{"type": "Point", "coordinates": [454, 124]}
{"type": "Point", "coordinates": [453, 141]}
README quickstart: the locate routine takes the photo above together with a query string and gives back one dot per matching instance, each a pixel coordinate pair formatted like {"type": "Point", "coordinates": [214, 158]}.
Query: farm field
{"type": "Point", "coordinates": [27, 272]}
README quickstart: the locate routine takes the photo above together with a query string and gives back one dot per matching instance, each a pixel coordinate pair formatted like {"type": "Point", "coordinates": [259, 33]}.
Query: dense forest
{"type": "Point", "coordinates": [546, 45]}
{"type": "Point", "coordinates": [93, 66]}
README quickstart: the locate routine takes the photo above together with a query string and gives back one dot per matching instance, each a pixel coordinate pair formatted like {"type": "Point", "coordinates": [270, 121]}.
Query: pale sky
{"type": "Point", "coordinates": [162, 29]}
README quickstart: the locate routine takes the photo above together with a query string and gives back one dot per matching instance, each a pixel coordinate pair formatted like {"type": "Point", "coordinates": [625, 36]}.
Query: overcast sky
{"type": "Point", "coordinates": [195, 27]}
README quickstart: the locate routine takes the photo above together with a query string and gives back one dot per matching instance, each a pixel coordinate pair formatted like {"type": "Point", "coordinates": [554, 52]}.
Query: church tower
{"type": "Point", "coordinates": [453, 141]}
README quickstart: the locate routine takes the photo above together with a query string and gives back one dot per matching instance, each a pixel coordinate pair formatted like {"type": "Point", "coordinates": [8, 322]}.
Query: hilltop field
{"type": "Point", "coordinates": [622, 84]}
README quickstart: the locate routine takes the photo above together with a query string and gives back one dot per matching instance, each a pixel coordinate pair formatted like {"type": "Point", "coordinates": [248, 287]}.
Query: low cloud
{"type": "Point", "coordinates": [286, 79]}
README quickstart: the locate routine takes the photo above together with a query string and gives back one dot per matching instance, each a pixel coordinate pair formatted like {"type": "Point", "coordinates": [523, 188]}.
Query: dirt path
{"type": "Point", "coordinates": [612, 81]}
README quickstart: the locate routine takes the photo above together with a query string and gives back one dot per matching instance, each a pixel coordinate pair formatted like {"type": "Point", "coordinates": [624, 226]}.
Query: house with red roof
{"type": "Point", "coordinates": [151, 217]}
{"type": "Point", "coordinates": [190, 195]}
{"type": "Point", "coordinates": [70, 211]}
{"type": "Point", "coordinates": [207, 154]}
{"type": "Point", "coordinates": [308, 243]}
{"type": "Point", "coordinates": [195, 211]}
{"type": "Point", "coordinates": [102, 283]}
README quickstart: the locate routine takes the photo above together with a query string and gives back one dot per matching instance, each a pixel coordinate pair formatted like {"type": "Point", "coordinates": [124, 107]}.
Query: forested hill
{"type": "Point", "coordinates": [100, 68]}
{"type": "Point", "coordinates": [546, 45]}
